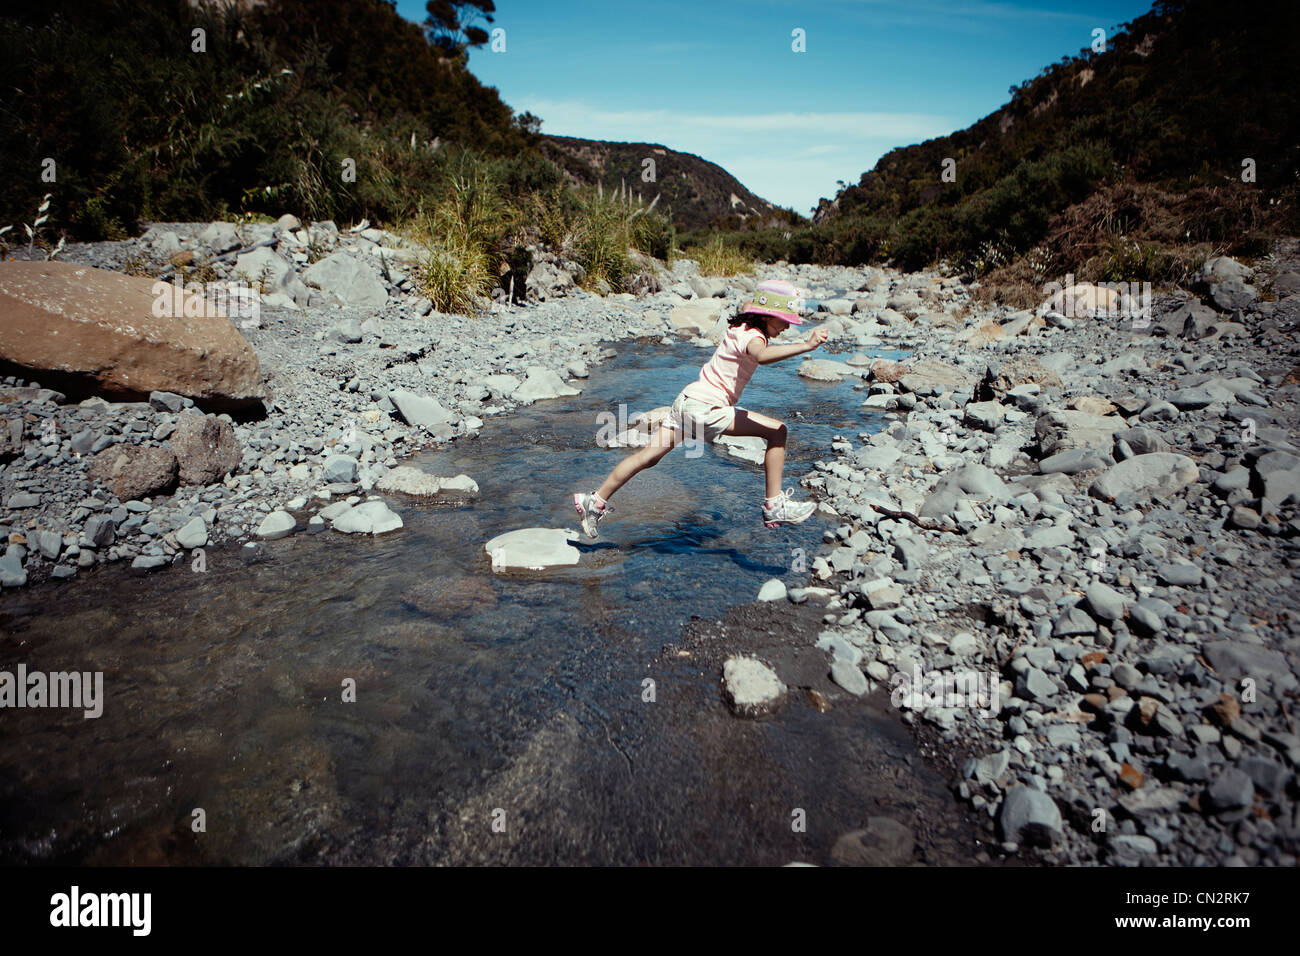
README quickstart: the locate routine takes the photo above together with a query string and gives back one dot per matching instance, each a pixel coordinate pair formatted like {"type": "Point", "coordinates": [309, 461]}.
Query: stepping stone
{"type": "Point", "coordinates": [534, 548]}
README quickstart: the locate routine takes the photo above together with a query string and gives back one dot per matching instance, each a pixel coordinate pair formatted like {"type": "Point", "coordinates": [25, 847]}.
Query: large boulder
{"type": "Point", "coordinates": [1059, 430]}
{"type": "Point", "coordinates": [134, 471]}
{"type": "Point", "coordinates": [349, 279]}
{"type": "Point", "coordinates": [206, 448]}
{"type": "Point", "coordinates": [1159, 475]}
{"type": "Point", "coordinates": [928, 377]}
{"type": "Point", "coordinates": [88, 330]}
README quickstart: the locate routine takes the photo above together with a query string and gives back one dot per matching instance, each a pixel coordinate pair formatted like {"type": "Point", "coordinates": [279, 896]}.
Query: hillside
{"type": "Point", "coordinates": [694, 192]}
{"type": "Point", "coordinates": [1145, 140]}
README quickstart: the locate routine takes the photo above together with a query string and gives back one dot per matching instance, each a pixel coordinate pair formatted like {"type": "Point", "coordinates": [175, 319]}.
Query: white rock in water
{"type": "Point", "coordinates": [373, 517]}
{"type": "Point", "coordinates": [278, 524]}
{"type": "Point", "coordinates": [826, 370]}
{"type": "Point", "coordinates": [541, 383]}
{"type": "Point", "coordinates": [532, 548]}
{"type": "Point", "coordinates": [752, 687]}
{"type": "Point", "coordinates": [462, 483]}
{"type": "Point", "coordinates": [746, 447]}
{"type": "Point", "coordinates": [773, 590]}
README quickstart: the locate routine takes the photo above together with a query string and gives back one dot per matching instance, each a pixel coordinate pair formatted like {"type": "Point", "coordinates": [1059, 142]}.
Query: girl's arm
{"type": "Point", "coordinates": [767, 354]}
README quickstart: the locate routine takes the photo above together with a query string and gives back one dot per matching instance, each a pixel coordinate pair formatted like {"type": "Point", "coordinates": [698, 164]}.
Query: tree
{"type": "Point", "coordinates": [451, 27]}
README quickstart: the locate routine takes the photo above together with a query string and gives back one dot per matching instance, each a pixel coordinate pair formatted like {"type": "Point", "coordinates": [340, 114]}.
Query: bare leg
{"type": "Point", "coordinates": [774, 433]}
{"type": "Point", "coordinates": [664, 441]}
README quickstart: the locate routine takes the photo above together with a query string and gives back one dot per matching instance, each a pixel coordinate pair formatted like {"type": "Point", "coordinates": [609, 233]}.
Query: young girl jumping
{"type": "Point", "coordinates": [707, 407]}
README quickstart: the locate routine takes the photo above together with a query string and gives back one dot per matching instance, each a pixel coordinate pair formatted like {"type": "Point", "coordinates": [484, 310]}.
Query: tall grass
{"type": "Point", "coordinates": [718, 258]}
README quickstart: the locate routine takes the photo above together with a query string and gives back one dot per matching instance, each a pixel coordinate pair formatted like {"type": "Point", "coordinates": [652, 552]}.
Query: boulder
{"type": "Point", "coordinates": [1233, 294]}
{"type": "Point", "coordinates": [534, 548]}
{"type": "Point", "coordinates": [134, 471]}
{"type": "Point", "coordinates": [1060, 430]}
{"type": "Point", "coordinates": [91, 330]}
{"type": "Point", "coordinates": [349, 279]}
{"type": "Point", "coordinates": [928, 377]}
{"type": "Point", "coordinates": [206, 448]}
{"type": "Point", "coordinates": [1160, 475]}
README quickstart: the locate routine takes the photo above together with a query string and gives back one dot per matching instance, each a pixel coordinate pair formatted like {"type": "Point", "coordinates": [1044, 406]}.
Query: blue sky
{"type": "Point", "coordinates": [720, 79]}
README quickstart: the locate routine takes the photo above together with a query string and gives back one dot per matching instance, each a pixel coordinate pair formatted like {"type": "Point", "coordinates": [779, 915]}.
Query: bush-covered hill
{"type": "Point", "coordinates": [270, 109]}
{"type": "Point", "coordinates": [1103, 160]}
{"type": "Point", "coordinates": [694, 192]}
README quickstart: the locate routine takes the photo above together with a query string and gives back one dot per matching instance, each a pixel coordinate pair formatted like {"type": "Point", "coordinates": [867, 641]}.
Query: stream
{"type": "Point", "coordinates": [569, 716]}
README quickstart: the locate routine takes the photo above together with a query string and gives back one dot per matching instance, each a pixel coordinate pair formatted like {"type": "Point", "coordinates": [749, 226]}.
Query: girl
{"type": "Point", "coordinates": [707, 407]}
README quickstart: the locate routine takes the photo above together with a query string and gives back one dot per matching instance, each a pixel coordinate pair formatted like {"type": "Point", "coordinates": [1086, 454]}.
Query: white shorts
{"type": "Point", "coordinates": [699, 419]}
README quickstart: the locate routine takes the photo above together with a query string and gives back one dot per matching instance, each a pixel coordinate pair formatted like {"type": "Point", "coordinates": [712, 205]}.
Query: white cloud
{"type": "Point", "coordinates": [820, 147]}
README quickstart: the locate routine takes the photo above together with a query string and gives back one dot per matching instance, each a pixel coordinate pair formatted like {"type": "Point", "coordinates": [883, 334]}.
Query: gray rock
{"type": "Point", "coordinates": [12, 574]}
{"type": "Point", "coordinates": [1030, 817]}
{"type": "Point", "coordinates": [1055, 536]}
{"type": "Point", "coordinates": [348, 332]}
{"type": "Point", "coordinates": [772, 590]}
{"type": "Point", "coordinates": [194, 534]}
{"type": "Point", "coordinates": [1072, 461]}
{"type": "Point", "coordinates": [167, 401]}
{"type": "Point", "coordinates": [848, 676]}
{"type": "Point", "coordinates": [985, 415]}
{"type": "Point", "coordinates": [1179, 575]}
{"type": "Point", "coordinates": [1033, 684]}
{"type": "Point", "coordinates": [420, 410]}
{"type": "Point", "coordinates": [1232, 790]}
{"type": "Point", "coordinates": [1104, 602]}
{"type": "Point", "coordinates": [347, 278]}
{"type": "Point", "coordinates": [1160, 475]}
{"type": "Point", "coordinates": [341, 469]}
{"type": "Point", "coordinates": [278, 524]}
{"type": "Point", "coordinates": [1233, 294]}
{"type": "Point", "coordinates": [1073, 623]}
{"type": "Point", "coordinates": [1234, 660]}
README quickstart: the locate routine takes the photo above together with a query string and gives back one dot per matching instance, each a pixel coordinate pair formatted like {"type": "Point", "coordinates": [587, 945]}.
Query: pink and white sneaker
{"type": "Point", "coordinates": [590, 512]}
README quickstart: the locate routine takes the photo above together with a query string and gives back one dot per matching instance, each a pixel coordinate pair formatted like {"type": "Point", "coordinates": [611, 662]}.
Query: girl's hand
{"type": "Point", "coordinates": [816, 338]}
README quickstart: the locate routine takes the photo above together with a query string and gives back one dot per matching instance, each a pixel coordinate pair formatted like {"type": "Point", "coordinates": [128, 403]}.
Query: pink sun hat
{"type": "Point", "coordinates": [777, 298]}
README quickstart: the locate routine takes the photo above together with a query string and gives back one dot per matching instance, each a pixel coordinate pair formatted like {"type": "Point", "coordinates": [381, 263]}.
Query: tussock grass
{"type": "Point", "coordinates": [718, 258]}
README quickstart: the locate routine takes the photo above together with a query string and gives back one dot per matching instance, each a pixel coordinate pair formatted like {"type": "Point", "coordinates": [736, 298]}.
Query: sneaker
{"type": "Point", "coordinates": [591, 512]}
{"type": "Point", "coordinates": [785, 510]}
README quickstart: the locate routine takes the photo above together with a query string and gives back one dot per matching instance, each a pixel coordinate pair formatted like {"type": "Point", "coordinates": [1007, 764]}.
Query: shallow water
{"type": "Point", "coordinates": [499, 718]}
